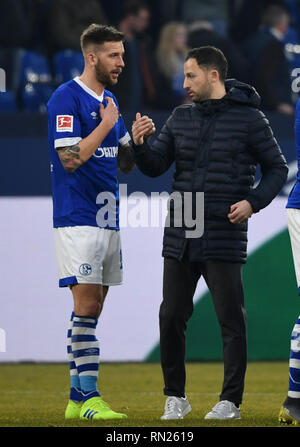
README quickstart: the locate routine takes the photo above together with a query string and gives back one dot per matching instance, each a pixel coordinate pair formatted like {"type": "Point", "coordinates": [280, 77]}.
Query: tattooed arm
{"type": "Point", "coordinates": [126, 161]}
{"type": "Point", "coordinates": [72, 157]}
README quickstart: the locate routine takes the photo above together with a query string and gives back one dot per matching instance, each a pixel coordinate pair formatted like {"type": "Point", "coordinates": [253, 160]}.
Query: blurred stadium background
{"type": "Point", "coordinates": [38, 51]}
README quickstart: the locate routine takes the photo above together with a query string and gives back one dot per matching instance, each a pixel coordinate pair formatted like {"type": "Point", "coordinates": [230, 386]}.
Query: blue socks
{"type": "Point", "coordinates": [83, 355]}
{"type": "Point", "coordinates": [75, 391]}
{"type": "Point", "coordinates": [294, 365]}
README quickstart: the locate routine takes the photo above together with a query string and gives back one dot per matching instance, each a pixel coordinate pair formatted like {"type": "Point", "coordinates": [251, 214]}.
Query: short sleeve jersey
{"type": "Point", "coordinates": [73, 113]}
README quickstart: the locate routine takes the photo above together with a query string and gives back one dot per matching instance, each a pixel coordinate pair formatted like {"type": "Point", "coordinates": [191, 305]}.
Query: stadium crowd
{"type": "Point", "coordinates": [39, 47]}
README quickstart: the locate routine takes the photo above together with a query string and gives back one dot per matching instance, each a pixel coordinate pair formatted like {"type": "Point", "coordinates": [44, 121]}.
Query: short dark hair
{"type": "Point", "coordinates": [210, 57]}
{"type": "Point", "coordinates": [98, 34]}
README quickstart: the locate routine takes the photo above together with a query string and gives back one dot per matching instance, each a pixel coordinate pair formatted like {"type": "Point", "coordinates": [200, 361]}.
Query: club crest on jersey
{"type": "Point", "coordinates": [108, 152]}
{"type": "Point", "coordinates": [64, 123]}
{"type": "Point", "coordinates": [85, 269]}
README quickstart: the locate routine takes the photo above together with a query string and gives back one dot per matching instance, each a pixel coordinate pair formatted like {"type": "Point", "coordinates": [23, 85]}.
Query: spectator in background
{"type": "Point", "coordinates": [203, 33]}
{"type": "Point", "coordinates": [170, 57]}
{"type": "Point", "coordinates": [245, 19]}
{"type": "Point", "coordinates": [270, 68]}
{"type": "Point", "coordinates": [136, 86]}
{"type": "Point", "coordinates": [68, 18]}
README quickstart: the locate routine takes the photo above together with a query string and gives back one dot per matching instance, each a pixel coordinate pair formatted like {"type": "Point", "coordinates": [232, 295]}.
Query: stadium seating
{"type": "Point", "coordinates": [8, 102]}
{"type": "Point", "coordinates": [33, 68]}
{"type": "Point", "coordinates": [34, 80]}
{"type": "Point", "coordinates": [34, 97]}
{"type": "Point", "coordinates": [67, 64]}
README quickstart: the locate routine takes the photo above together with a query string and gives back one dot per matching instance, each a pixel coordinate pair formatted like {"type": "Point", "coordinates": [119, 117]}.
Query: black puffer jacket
{"type": "Point", "coordinates": [216, 145]}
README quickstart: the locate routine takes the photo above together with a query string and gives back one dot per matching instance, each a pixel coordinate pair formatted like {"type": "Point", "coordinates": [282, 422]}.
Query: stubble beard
{"type": "Point", "coordinates": [205, 94]}
{"type": "Point", "coordinates": [102, 76]}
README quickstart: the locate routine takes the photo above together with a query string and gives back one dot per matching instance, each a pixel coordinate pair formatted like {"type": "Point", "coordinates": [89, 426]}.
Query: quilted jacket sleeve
{"type": "Point", "coordinates": [155, 160]}
{"type": "Point", "coordinates": [266, 151]}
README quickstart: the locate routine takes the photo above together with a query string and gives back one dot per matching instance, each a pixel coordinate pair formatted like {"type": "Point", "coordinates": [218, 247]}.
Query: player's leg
{"type": "Point", "coordinates": [75, 399]}
{"type": "Point", "coordinates": [290, 409]}
{"type": "Point", "coordinates": [179, 283]}
{"type": "Point", "coordinates": [88, 304]}
{"type": "Point", "coordinates": [88, 301]}
{"type": "Point", "coordinates": [80, 254]}
{"type": "Point", "coordinates": [224, 280]}
{"type": "Point", "coordinates": [294, 364]}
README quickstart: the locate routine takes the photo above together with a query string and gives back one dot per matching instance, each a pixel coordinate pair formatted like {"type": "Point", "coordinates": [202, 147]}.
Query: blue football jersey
{"type": "Point", "coordinates": [73, 113]}
{"type": "Point", "coordinates": [294, 196]}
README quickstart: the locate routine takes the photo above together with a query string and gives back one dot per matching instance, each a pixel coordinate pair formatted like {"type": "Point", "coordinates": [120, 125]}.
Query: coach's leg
{"type": "Point", "coordinates": [224, 280]}
{"type": "Point", "coordinates": [179, 283]}
{"type": "Point", "coordinates": [88, 304]}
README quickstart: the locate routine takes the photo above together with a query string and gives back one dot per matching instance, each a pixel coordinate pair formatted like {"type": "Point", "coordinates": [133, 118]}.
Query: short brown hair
{"type": "Point", "coordinates": [98, 34]}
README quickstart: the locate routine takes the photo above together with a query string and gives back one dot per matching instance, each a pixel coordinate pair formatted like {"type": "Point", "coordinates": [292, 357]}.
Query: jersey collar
{"type": "Point", "coordinates": [88, 90]}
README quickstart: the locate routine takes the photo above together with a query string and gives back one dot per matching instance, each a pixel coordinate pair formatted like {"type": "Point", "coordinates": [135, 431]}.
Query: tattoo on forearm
{"type": "Point", "coordinates": [126, 158]}
{"type": "Point", "coordinates": [70, 157]}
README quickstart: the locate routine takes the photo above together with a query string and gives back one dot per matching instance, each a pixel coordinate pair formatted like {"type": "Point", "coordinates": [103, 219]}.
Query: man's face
{"type": "Point", "coordinates": [197, 81]}
{"type": "Point", "coordinates": [110, 63]}
{"type": "Point", "coordinates": [284, 24]}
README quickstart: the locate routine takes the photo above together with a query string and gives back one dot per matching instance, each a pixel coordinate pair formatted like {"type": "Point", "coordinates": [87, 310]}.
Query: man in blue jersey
{"type": "Point", "coordinates": [88, 143]}
{"type": "Point", "coordinates": [290, 409]}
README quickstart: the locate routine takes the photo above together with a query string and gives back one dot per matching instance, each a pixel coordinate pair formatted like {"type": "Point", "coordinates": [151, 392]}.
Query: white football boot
{"type": "Point", "coordinates": [224, 410]}
{"type": "Point", "coordinates": [176, 408]}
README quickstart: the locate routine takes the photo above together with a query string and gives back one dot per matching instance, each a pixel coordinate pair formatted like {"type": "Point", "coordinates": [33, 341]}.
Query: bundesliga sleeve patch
{"type": "Point", "coordinates": [64, 123]}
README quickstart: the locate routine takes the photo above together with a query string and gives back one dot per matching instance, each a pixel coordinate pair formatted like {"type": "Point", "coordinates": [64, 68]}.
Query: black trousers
{"type": "Point", "coordinates": [224, 280]}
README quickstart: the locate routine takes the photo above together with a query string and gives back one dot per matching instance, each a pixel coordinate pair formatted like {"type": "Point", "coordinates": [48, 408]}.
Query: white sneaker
{"type": "Point", "coordinates": [176, 408]}
{"type": "Point", "coordinates": [224, 410]}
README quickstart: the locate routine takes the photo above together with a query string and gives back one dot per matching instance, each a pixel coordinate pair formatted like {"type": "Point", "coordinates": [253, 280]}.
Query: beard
{"type": "Point", "coordinates": [205, 93]}
{"type": "Point", "coordinates": [103, 76]}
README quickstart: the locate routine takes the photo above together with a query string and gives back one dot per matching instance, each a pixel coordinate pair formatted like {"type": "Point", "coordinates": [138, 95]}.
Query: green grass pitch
{"type": "Point", "coordinates": [35, 395]}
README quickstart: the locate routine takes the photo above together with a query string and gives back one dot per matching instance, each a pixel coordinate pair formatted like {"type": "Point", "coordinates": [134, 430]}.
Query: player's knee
{"type": "Point", "coordinates": [90, 309]}
{"type": "Point", "coordinates": [88, 301]}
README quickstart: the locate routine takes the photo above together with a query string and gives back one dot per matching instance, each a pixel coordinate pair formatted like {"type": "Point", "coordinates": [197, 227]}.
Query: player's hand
{"type": "Point", "coordinates": [110, 113]}
{"type": "Point", "coordinates": [142, 128]}
{"type": "Point", "coordinates": [240, 211]}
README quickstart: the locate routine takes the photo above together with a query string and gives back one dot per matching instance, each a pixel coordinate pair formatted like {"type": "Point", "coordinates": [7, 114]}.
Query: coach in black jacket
{"type": "Point", "coordinates": [216, 144]}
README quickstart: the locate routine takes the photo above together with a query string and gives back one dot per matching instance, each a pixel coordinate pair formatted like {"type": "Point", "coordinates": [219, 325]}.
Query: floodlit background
{"type": "Point", "coordinates": [39, 49]}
